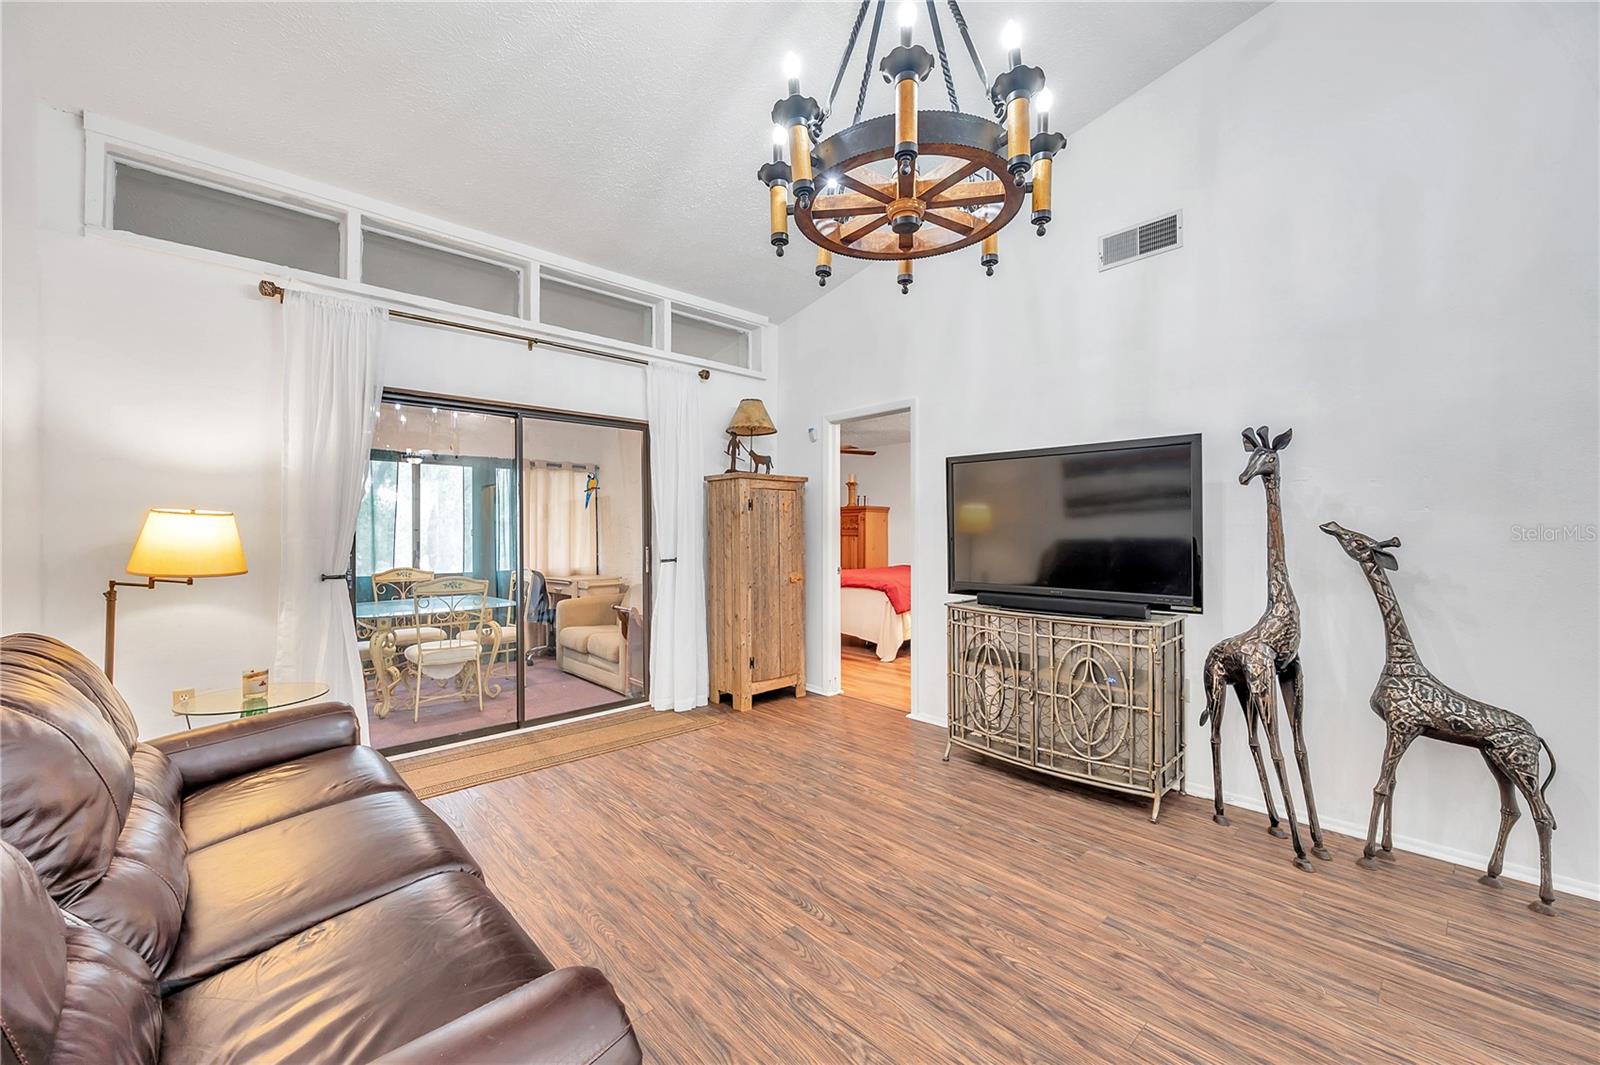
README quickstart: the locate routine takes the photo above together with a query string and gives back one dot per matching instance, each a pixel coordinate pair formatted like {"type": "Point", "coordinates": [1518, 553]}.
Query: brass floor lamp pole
{"type": "Point", "coordinates": [111, 611]}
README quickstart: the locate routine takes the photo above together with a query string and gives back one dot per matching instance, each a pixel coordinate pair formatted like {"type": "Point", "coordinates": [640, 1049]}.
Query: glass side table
{"type": "Point", "coordinates": [223, 701]}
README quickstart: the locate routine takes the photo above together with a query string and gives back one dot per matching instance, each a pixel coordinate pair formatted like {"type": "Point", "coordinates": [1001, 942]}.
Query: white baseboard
{"type": "Point", "coordinates": [824, 691]}
{"type": "Point", "coordinates": [937, 722]}
{"type": "Point", "coordinates": [1525, 873]}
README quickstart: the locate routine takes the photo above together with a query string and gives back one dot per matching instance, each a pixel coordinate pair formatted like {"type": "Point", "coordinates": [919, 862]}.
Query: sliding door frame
{"type": "Point", "coordinates": [521, 414]}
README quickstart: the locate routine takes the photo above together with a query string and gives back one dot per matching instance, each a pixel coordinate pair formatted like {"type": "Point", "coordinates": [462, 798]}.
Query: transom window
{"type": "Point", "coordinates": [231, 207]}
{"type": "Point", "coordinates": [206, 216]}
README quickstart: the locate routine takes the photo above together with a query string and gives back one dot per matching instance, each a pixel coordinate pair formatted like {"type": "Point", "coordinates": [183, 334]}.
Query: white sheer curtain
{"type": "Point", "coordinates": [678, 669]}
{"type": "Point", "coordinates": [332, 388]}
{"type": "Point", "coordinates": [561, 530]}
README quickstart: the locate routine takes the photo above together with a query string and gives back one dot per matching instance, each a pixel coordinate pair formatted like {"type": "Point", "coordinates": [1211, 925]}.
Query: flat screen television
{"type": "Point", "coordinates": [1109, 528]}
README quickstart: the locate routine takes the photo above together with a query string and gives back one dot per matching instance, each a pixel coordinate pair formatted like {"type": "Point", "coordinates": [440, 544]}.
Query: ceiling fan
{"type": "Point", "coordinates": [851, 449]}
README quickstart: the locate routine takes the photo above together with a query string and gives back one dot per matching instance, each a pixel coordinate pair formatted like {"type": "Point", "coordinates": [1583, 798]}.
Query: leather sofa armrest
{"type": "Point", "coordinates": [570, 1016]}
{"type": "Point", "coordinates": [216, 752]}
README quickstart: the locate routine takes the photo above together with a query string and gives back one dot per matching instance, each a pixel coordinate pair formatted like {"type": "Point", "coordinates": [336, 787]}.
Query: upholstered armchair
{"type": "Point", "coordinates": [590, 641]}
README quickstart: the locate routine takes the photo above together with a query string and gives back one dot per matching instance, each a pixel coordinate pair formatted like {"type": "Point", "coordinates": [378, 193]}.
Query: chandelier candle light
{"type": "Point", "coordinates": [915, 183]}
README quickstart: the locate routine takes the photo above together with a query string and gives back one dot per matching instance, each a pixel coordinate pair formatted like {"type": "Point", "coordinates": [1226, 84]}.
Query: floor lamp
{"type": "Point", "coordinates": [175, 547]}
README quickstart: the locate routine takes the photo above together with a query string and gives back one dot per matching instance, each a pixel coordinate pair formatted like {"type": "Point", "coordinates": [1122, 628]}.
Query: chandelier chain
{"type": "Point", "coordinates": [849, 48]}
{"type": "Point", "coordinates": [944, 59]}
{"type": "Point", "coordinates": [966, 37]}
{"type": "Point", "coordinates": [866, 69]}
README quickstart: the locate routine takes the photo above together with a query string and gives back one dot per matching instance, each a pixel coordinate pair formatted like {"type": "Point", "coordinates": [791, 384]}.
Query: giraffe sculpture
{"type": "Point", "coordinates": [1266, 653]}
{"type": "Point", "coordinates": [1413, 702]}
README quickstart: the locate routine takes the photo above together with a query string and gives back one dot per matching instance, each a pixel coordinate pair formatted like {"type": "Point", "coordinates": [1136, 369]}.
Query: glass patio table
{"type": "Point", "coordinates": [223, 701]}
{"type": "Point", "coordinates": [375, 618]}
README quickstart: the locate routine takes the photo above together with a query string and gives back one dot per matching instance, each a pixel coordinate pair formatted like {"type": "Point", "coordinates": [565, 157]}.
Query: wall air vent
{"type": "Point", "coordinates": [1142, 241]}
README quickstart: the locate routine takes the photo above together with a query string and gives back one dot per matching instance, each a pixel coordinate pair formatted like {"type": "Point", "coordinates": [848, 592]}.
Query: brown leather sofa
{"type": "Point", "coordinates": [263, 890]}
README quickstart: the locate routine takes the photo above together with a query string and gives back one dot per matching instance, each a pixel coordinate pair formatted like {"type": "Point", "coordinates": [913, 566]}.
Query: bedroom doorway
{"type": "Point", "coordinates": [874, 532]}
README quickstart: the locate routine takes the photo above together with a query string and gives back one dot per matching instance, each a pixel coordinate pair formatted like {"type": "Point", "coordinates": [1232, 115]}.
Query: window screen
{"type": "Point", "coordinates": [184, 212]}
{"type": "Point", "coordinates": [706, 340]}
{"type": "Point", "coordinates": [383, 524]}
{"type": "Point", "coordinates": [406, 266]}
{"type": "Point", "coordinates": [595, 313]}
{"type": "Point", "coordinates": [444, 521]}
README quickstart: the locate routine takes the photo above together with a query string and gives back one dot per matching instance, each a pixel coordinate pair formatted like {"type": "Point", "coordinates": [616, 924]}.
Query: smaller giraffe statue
{"type": "Point", "coordinates": [1266, 653]}
{"type": "Point", "coordinates": [1413, 702]}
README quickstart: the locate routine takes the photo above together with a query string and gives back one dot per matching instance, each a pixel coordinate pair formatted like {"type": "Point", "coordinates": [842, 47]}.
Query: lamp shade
{"type": "Point", "coordinates": [751, 419]}
{"type": "Point", "coordinates": [187, 543]}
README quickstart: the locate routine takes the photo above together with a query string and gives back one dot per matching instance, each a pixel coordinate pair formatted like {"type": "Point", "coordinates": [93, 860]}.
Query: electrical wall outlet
{"type": "Point", "coordinates": [182, 697]}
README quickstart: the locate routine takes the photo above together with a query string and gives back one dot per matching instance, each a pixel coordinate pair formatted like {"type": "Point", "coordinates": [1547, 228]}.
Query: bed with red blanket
{"type": "Point", "coordinates": [875, 606]}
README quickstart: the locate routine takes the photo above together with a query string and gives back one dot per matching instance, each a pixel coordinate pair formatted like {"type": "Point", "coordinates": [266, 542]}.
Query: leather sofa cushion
{"type": "Point", "coordinates": [606, 644]}
{"type": "Point", "coordinates": [33, 961]}
{"type": "Point", "coordinates": [111, 1014]}
{"type": "Point", "coordinates": [69, 993]}
{"type": "Point", "coordinates": [140, 899]}
{"type": "Point", "coordinates": [25, 650]}
{"type": "Point", "coordinates": [66, 781]}
{"type": "Point", "coordinates": [158, 780]}
{"type": "Point", "coordinates": [361, 983]}
{"type": "Point", "coordinates": [224, 810]}
{"type": "Point", "coordinates": [570, 1015]}
{"type": "Point", "coordinates": [254, 890]}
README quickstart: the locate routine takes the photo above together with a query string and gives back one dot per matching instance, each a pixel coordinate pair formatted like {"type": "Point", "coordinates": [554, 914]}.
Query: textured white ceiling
{"type": "Point", "coordinates": [880, 430]}
{"type": "Point", "coordinates": [623, 135]}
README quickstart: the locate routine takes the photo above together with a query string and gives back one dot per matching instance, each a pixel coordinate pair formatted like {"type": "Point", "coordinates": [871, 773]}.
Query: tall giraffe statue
{"type": "Point", "coordinates": [1413, 702]}
{"type": "Point", "coordinates": [1266, 653]}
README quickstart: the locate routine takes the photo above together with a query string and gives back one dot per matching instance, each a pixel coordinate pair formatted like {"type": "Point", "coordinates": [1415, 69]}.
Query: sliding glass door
{"type": "Point", "coordinates": [584, 519]}
{"type": "Point", "coordinates": [500, 569]}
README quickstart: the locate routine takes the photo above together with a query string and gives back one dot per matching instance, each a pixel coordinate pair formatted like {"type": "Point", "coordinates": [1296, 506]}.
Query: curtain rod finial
{"type": "Point", "coordinates": [271, 290]}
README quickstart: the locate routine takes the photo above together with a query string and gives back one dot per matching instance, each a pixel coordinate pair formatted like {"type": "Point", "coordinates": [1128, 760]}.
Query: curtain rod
{"type": "Point", "coordinates": [273, 290]}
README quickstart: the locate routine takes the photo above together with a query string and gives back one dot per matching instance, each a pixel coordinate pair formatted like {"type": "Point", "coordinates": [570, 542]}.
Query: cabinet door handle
{"type": "Point", "coordinates": [796, 578]}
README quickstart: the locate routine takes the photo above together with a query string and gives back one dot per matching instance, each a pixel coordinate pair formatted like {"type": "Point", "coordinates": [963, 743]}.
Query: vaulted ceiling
{"type": "Point", "coordinates": [623, 135]}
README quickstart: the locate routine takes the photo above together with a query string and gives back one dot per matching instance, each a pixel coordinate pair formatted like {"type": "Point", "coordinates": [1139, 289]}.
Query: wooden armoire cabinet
{"type": "Point", "coordinates": [755, 585]}
{"type": "Point", "coordinates": [863, 537]}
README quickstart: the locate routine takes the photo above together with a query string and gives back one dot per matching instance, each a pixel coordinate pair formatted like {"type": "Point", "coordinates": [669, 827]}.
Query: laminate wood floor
{"type": "Point", "coordinates": [863, 675]}
{"type": "Point", "coordinates": [808, 882]}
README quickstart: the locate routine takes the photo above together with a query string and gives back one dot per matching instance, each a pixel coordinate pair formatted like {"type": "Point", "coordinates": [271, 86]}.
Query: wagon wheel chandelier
{"type": "Point", "coordinates": [915, 183]}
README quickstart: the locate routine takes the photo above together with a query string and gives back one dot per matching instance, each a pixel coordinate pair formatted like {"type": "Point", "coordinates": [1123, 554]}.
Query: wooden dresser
{"type": "Point", "coordinates": [863, 537]}
{"type": "Point", "coordinates": [755, 585]}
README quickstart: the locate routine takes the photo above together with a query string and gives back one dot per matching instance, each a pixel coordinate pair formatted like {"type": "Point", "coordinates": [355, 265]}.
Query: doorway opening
{"type": "Point", "coordinates": [875, 533]}
{"type": "Point", "coordinates": [500, 569]}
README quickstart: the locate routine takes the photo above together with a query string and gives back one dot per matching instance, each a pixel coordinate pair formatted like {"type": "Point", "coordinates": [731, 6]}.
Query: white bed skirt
{"type": "Point", "coordinates": [865, 613]}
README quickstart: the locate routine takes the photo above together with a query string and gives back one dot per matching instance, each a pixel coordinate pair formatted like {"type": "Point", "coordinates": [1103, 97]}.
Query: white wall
{"type": "Point", "coordinates": [885, 479]}
{"type": "Point", "coordinates": [158, 384]}
{"type": "Point", "coordinates": [20, 602]}
{"type": "Point", "coordinates": [1390, 245]}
